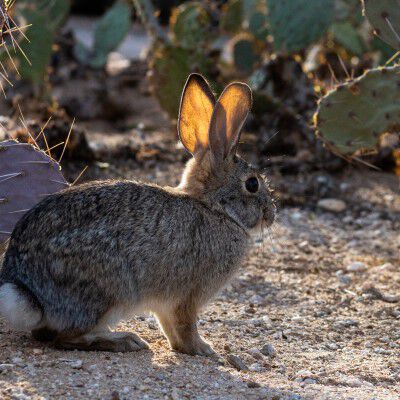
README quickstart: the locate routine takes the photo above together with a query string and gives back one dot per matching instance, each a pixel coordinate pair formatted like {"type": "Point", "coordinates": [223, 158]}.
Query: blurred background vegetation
{"type": "Point", "coordinates": [324, 74]}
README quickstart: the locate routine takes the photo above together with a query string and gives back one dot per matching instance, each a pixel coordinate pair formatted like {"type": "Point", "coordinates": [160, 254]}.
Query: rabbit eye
{"type": "Point", "coordinates": [252, 184]}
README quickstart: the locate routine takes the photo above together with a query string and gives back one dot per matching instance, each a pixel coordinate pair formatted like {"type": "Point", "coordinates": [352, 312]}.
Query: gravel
{"type": "Point", "coordinates": [332, 341]}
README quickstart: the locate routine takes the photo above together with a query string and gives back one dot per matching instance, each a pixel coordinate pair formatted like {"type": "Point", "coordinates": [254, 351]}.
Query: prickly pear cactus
{"type": "Point", "coordinates": [109, 33]}
{"type": "Point", "coordinates": [384, 16]}
{"type": "Point", "coordinates": [190, 25]}
{"type": "Point", "coordinates": [44, 19]}
{"type": "Point", "coordinates": [232, 16]}
{"type": "Point", "coordinates": [244, 53]}
{"type": "Point", "coordinates": [354, 114]}
{"type": "Point", "coordinates": [27, 175]}
{"type": "Point", "coordinates": [170, 66]}
{"type": "Point", "coordinates": [295, 24]}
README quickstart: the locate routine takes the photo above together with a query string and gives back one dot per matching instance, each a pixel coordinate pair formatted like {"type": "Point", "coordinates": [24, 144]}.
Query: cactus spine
{"type": "Point", "coordinates": [384, 16]}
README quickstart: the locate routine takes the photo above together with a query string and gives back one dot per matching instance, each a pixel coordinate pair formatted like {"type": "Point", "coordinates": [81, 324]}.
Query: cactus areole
{"type": "Point", "coordinates": [384, 16]}
{"type": "Point", "coordinates": [27, 175]}
{"type": "Point", "coordinates": [354, 114]}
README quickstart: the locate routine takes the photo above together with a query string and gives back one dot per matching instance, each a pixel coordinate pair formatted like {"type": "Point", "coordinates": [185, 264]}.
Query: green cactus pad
{"type": "Point", "coordinates": [27, 175]}
{"type": "Point", "coordinates": [170, 67]}
{"type": "Point", "coordinates": [44, 18]}
{"type": "Point", "coordinates": [295, 24]}
{"type": "Point", "coordinates": [110, 31]}
{"type": "Point", "coordinates": [347, 36]}
{"type": "Point", "coordinates": [384, 16]}
{"type": "Point", "coordinates": [258, 25]}
{"type": "Point", "coordinates": [244, 53]}
{"type": "Point", "coordinates": [232, 16]}
{"type": "Point", "coordinates": [354, 114]}
{"type": "Point", "coordinates": [190, 24]}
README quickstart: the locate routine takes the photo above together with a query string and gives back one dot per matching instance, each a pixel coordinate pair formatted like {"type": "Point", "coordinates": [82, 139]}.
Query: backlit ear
{"type": "Point", "coordinates": [197, 106]}
{"type": "Point", "coordinates": [228, 118]}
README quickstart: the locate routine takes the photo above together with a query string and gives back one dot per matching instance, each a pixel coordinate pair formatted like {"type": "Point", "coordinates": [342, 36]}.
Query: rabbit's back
{"type": "Point", "coordinates": [107, 243]}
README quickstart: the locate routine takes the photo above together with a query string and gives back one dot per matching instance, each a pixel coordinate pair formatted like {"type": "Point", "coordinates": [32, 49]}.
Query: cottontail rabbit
{"type": "Point", "coordinates": [85, 258]}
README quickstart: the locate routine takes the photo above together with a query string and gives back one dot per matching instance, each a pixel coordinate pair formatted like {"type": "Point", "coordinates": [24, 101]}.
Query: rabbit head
{"type": "Point", "coordinates": [216, 175]}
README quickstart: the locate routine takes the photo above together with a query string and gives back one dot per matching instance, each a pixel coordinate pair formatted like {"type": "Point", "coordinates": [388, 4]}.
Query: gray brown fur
{"type": "Point", "coordinates": [91, 255]}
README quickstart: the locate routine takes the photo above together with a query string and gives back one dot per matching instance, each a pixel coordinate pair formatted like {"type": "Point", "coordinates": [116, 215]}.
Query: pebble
{"type": "Point", "coordinates": [256, 367]}
{"type": "Point", "coordinates": [6, 367]}
{"type": "Point", "coordinates": [332, 205]}
{"type": "Point", "coordinates": [77, 364]}
{"type": "Point", "coordinates": [268, 350]}
{"type": "Point", "coordinates": [296, 216]}
{"type": "Point", "coordinates": [377, 294]}
{"type": "Point", "coordinates": [343, 279]}
{"type": "Point", "coordinates": [237, 362]}
{"type": "Point", "coordinates": [356, 266]}
{"type": "Point", "coordinates": [332, 346]}
{"type": "Point", "coordinates": [387, 267]}
{"type": "Point", "coordinates": [152, 325]}
{"type": "Point", "coordinates": [380, 350]}
{"type": "Point", "coordinates": [304, 373]}
{"type": "Point", "coordinates": [256, 354]}
{"type": "Point", "coordinates": [252, 384]}
{"type": "Point", "coordinates": [352, 381]}
{"type": "Point", "coordinates": [345, 323]}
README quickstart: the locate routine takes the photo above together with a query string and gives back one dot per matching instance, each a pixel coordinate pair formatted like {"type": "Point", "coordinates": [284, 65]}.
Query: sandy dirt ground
{"type": "Point", "coordinates": [313, 314]}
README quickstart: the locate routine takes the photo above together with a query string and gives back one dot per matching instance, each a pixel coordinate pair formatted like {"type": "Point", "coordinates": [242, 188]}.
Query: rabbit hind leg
{"type": "Point", "coordinates": [102, 338]}
{"type": "Point", "coordinates": [103, 341]}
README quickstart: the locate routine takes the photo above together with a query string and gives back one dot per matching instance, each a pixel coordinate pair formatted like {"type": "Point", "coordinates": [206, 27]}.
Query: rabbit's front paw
{"type": "Point", "coordinates": [195, 348]}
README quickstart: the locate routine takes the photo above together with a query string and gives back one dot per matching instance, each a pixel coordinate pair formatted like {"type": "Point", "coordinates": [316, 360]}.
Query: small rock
{"type": "Point", "coordinates": [77, 364]}
{"type": "Point", "coordinates": [332, 346]}
{"type": "Point", "coordinates": [296, 216]}
{"type": "Point", "coordinates": [237, 362]}
{"type": "Point", "coordinates": [352, 381]}
{"type": "Point", "coordinates": [268, 350]}
{"type": "Point", "coordinates": [267, 321]}
{"type": "Point", "coordinates": [378, 295]}
{"type": "Point", "coordinates": [37, 351]}
{"type": "Point", "coordinates": [304, 373]}
{"type": "Point", "coordinates": [356, 266]}
{"type": "Point", "coordinates": [6, 367]}
{"type": "Point", "coordinates": [332, 205]}
{"type": "Point", "coordinates": [152, 325]}
{"type": "Point", "coordinates": [256, 367]}
{"type": "Point", "coordinates": [227, 347]}
{"type": "Point", "coordinates": [256, 354]}
{"type": "Point", "coordinates": [253, 385]}
{"type": "Point", "coordinates": [387, 267]}
{"type": "Point", "coordinates": [344, 324]}
{"type": "Point", "coordinates": [343, 279]}
{"type": "Point", "coordinates": [380, 350]}
{"type": "Point", "coordinates": [309, 381]}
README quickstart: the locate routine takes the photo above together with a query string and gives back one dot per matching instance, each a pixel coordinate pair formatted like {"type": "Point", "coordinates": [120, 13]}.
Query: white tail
{"type": "Point", "coordinates": [17, 308]}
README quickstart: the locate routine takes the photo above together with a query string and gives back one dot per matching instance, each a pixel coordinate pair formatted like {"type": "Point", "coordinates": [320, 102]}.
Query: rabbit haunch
{"type": "Point", "coordinates": [109, 249]}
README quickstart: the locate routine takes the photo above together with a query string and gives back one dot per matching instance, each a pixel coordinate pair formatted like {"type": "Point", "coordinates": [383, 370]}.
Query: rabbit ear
{"type": "Point", "coordinates": [197, 105]}
{"type": "Point", "coordinates": [229, 115]}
